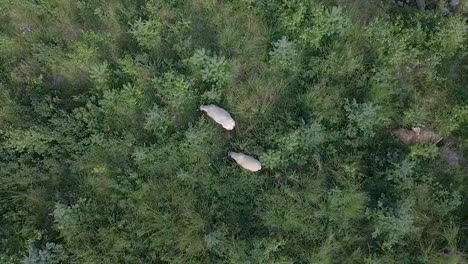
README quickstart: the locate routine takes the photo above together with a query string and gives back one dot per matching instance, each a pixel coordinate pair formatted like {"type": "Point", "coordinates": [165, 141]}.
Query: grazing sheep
{"type": "Point", "coordinates": [245, 161]}
{"type": "Point", "coordinates": [219, 115]}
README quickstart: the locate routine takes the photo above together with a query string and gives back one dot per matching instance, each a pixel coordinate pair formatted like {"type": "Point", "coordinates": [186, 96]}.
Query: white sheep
{"type": "Point", "coordinates": [245, 161]}
{"type": "Point", "coordinates": [219, 115]}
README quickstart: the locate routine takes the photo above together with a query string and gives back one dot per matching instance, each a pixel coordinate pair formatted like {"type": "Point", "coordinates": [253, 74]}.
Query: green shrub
{"type": "Point", "coordinates": [147, 33]}
{"type": "Point", "coordinates": [364, 120]}
{"type": "Point", "coordinates": [210, 68]}
{"type": "Point", "coordinates": [50, 254]}
{"type": "Point", "coordinates": [284, 55]}
{"type": "Point", "coordinates": [392, 227]}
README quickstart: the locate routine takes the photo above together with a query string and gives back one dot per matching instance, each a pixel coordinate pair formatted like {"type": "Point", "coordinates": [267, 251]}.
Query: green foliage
{"type": "Point", "coordinates": [424, 152]}
{"type": "Point", "coordinates": [455, 121]}
{"type": "Point", "coordinates": [105, 157]}
{"type": "Point", "coordinates": [120, 108]}
{"type": "Point", "coordinates": [403, 174]}
{"type": "Point", "coordinates": [212, 69]}
{"type": "Point", "coordinates": [449, 37]}
{"type": "Point", "coordinates": [312, 22]}
{"type": "Point", "coordinates": [284, 54]}
{"type": "Point", "coordinates": [100, 75]}
{"type": "Point", "coordinates": [296, 147]}
{"type": "Point", "coordinates": [364, 120]}
{"type": "Point", "coordinates": [178, 96]}
{"type": "Point", "coordinates": [415, 117]}
{"type": "Point", "coordinates": [393, 226]}
{"type": "Point", "coordinates": [157, 120]}
{"type": "Point", "coordinates": [147, 33]}
{"type": "Point", "coordinates": [51, 254]}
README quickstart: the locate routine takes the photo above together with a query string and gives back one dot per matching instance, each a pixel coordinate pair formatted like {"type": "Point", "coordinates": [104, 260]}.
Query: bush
{"type": "Point", "coordinates": [212, 69]}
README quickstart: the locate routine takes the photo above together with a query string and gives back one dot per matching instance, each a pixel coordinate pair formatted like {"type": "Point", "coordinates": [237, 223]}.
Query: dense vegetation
{"type": "Point", "coordinates": [104, 157]}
